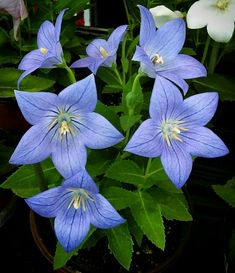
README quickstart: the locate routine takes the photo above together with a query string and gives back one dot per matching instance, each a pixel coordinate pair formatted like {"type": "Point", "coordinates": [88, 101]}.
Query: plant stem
{"type": "Point", "coordinates": [148, 166]}
{"type": "Point", "coordinates": [40, 177]}
{"type": "Point", "coordinates": [123, 58]}
{"type": "Point", "coordinates": [213, 57]}
{"type": "Point", "coordinates": [118, 75]}
{"type": "Point", "coordinates": [70, 73]}
{"type": "Point", "coordinates": [207, 44]}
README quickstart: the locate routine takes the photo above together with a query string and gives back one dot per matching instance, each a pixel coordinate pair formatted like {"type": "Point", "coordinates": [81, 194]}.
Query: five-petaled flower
{"type": "Point", "coordinates": [75, 205]}
{"type": "Point", "coordinates": [217, 15]}
{"type": "Point", "coordinates": [101, 52]}
{"type": "Point", "coordinates": [49, 52]}
{"type": "Point", "coordinates": [175, 130]}
{"type": "Point", "coordinates": [63, 126]}
{"type": "Point", "coordinates": [158, 52]}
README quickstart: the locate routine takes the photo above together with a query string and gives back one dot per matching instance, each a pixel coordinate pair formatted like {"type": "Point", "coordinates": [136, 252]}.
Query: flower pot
{"type": "Point", "coordinates": [147, 259]}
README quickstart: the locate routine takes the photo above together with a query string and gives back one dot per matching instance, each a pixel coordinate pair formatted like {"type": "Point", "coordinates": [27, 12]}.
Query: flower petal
{"type": "Point", "coordinates": [46, 36]}
{"type": "Point", "coordinates": [71, 227]}
{"type": "Point", "coordinates": [69, 155]}
{"type": "Point", "coordinates": [147, 27]}
{"type": "Point", "coordinates": [203, 142]}
{"type": "Point", "coordinates": [31, 60]}
{"type": "Point", "coordinates": [197, 110]}
{"type": "Point", "coordinates": [197, 16]}
{"type": "Point", "coordinates": [220, 28]}
{"type": "Point", "coordinates": [35, 106]}
{"type": "Point", "coordinates": [58, 24]}
{"type": "Point", "coordinates": [146, 141]}
{"type": "Point", "coordinates": [93, 49]}
{"type": "Point", "coordinates": [164, 100]}
{"type": "Point", "coordinates": [34, 146]}
{"type": "Point", "coordinates": [96, 131]}
{"type": "Point", "coordinates": [90, 62]}
{"type": "Point", "coordinates": [102, 214]}
{"type": "Point", "coordinates": [24, 74]}
{"type": "Point", "coordinates": [175, 79]}
{"type": "Point", "coordinates": [81, 95]}
{"type": "Point", "coordinates": [48, 202]}
{"type": "Point", "coordinates": [115, 38]}
{"type": "Point", "coordinates": [81, 180]}
{"type": "Point", "coordinates": [177, 163]}
{"type": "Point", "coordinates": [185, 67]}
{"type": "Point", "coordinates": [168, 40]}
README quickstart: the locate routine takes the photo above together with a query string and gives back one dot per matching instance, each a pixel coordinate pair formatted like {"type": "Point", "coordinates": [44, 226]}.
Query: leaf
{"type": "Point", "coordinates": [121, 245]}
{"type": "Point", "coordinates": [227, 191]}
{"type": "Point", "coordinates": [126, 171]}
{"type": "Point", "coordinates": [24, 183]}
{"type": "Point", "coordinates": [224, 84]}
{"type": "Point", "coordinates": [8, 82]}
{"type": "Point", "coordinates": [119, 197]}
{"type": "Point", "coordinates": [125, 64]}
{"type": "Point", "coordinates": [135, 230]}
{"type": "Point", "coordinates": [108, 76]}
{"type": "Point", "coordinates": [171, 204]}
{"type": "Point", "coordinates": [188, 51]}
{"type": "Point", "coordinates": [147, 214]}
{"type": "Point", "coordinates": [128, 121]}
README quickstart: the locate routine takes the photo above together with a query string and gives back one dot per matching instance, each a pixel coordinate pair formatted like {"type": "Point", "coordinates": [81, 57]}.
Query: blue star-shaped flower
{"type": "Point", "coordinates": [101, 52]}
{"type": "Point", "coordinates": [49, 52]}
{"type": "Point", "coordinates": [159, 50]}
{"type": "Point", "coordinates": [175, 130]}
{"type": "Point", "coordinates": [63, 126]}
{"type": "Point", "coordinates": [75, 205]}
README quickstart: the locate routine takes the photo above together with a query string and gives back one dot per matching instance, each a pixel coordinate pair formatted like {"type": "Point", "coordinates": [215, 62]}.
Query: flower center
{"type": "Point", "coordinates": [79, 198]}
{"type": "Point", "coordinates": [222, 4]}
{"type": "Point", "coordinates": [43, 50]}
{"type": "Point", "coordinates": [157, 59]}
{"type": "Point", "coordinates": [103, 52]}
{"type": "Point", "coordinates": [172, 129]}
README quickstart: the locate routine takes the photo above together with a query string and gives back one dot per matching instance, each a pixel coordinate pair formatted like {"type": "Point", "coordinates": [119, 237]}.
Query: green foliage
{"type": "Point", "coordinates": [227, 191]}
{"type": "Point", "coordinates": [120, 244]}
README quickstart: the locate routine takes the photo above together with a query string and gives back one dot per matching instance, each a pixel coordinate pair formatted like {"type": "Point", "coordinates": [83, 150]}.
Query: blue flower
{"type": "Point", "coordinates": [159, 50]}
{"type": "Point", "coordinates": [101, 52]}
{"type": "Point", "coordinates": [49, 52]}
{"type": "Point", "coordinates": [175, 130]}
{"type": "Point", "coordinates": [63, 126]}
{"type": "Point", "coordinates": [75, 205]}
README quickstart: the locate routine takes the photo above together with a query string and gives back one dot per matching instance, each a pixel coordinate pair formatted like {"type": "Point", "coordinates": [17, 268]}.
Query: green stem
{"type": "Point", "coordinates": [213, 57]}
{"type": "Point", "coordinates": [117, 74]}
{"type": "Point", "coordinates": [123, 58]}
{"type": "Point", "coordinates": [70, 73]}
{"type": "Point", "coordinates": [148, 166]}
{"type": "Point", "coordinates": [207, 44]}
{"type": "Point", "coordinates": [40, 177]}
{"type": "Point", "coordinates": [136, 81]}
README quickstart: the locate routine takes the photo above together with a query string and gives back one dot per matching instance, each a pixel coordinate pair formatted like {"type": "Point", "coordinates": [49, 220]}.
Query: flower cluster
{"type": "Point", "coordinates": [67, 127]}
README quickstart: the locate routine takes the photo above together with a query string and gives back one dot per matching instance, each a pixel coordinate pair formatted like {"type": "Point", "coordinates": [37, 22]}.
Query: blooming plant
{"type": "Point", "coordinates": [111, 160]}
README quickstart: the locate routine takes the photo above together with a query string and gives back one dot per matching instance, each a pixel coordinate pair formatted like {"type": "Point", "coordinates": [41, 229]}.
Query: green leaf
{"type": "Point", "coordinates": [171, 204]}
{"type": "Point", "coordinates": [108, 76]}
{"type": "Point", "coordinates": [125, 64]}
{"type": "Point", "coordinates": [8, 82]}
{"type": "Point", "coordinates": [188, 51]}
{"type": "Point", "coordinates": [9, 56]}
{"type": "Point", "coordinates": [147, 214]}
{"type": "Point", "coordinates": [135, 230]}
{"type": "Point", "coordinates": [227, 191]}
{"type": "Point", "coordinates": [126, 171]}
{"type": "Point", "coordinates": [23, 182]}
{"type": "Point", "coordinates": [121, 245]}
{"type": "Point", "coordinates": [119, 197]}
{"type": "Point", "coordinates": [224, 84]}
{"type": "Point", "coordinates": [61, 256]}
{"type": "Point", "coordinates": [128, 121]}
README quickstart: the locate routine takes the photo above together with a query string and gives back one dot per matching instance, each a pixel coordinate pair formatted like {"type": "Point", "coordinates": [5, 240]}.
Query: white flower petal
{"type": "Point", "coordinates": [197, 16]}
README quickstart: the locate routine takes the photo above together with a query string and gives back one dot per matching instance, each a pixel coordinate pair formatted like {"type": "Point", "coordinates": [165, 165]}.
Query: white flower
{"type": "Point", "coordinates": [217, 15]}
{"type": "Point", "coordinates": [17, 9]}
{"type": "Point", "coordinates": [162, 14]}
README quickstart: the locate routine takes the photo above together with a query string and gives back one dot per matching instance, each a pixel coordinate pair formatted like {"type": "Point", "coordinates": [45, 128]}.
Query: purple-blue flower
{"type": "Point", "coordinates": [101, 52]}
{"type": "Point", "coordinates": [63, 126]}
{"type": "Point", "coordinates": [175, 130]}
{"type": "Point", "coordinates": [75, 205]}
{"type": "Point", "coordinates": [49, 52]}
{"type": "Point", "coordinates": [158, 52]}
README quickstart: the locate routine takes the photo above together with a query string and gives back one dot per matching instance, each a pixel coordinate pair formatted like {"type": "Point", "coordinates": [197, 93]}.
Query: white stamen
{"type": "Point", "coordinates": [43, 50]}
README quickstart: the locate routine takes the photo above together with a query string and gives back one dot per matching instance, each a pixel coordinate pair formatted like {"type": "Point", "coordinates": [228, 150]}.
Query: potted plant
{"type": "Point", "coordinates": [110, 149]}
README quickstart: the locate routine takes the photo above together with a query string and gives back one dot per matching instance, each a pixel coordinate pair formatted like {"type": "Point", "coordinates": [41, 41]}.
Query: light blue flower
{"type": "Point", "coordinates": [75, 205]}
{"type": "Point", "coordinates": [63, 126]}
{"type": "Point", "coordinates": [49, 52]}
{"type": "Point", "coordinates": [158, 52]}
{"type": "Point", "coordinates": [101, 52]}
{"type": "Point", "coordinates": [175, 130]}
